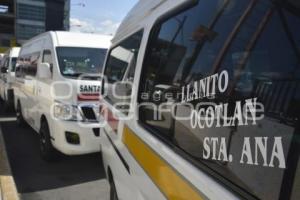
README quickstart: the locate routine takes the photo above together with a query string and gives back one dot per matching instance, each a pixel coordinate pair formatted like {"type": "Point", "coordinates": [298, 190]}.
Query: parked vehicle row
{"type": "Point", "coordinates": [7, 76]}
{"type": "Point", "coordinates": [56, 90]}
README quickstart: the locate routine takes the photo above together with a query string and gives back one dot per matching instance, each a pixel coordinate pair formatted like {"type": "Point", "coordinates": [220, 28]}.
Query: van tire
{"type": "Point", "coordinates": [48, 153]}
{"type": "Point", "coordinates": [1, 100]}
{"type": "Point", "coordinates": [9, 102]}
{"type": "Point", "coordinates": [113, 191]}
{"type": "Point", "coordinates": [20, 119]}
{"type": "Point", "coordinates": [7, 107]}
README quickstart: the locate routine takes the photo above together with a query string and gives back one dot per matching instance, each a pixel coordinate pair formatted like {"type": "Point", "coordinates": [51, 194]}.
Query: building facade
{"type": "Point", "coordinates": [21, 20]}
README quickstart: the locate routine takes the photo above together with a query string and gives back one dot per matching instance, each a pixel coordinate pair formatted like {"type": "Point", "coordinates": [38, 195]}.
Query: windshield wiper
{"type": "Point", "coordinates": [74, 74]}
{"type": "Point", "coordinates": [84, 76]}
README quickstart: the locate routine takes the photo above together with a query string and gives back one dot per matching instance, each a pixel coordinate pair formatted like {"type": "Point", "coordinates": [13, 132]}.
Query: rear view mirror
{"type": "Point", "coordinates": [44, 71]}
{"type": "Point", "coordinates": [3, 70]}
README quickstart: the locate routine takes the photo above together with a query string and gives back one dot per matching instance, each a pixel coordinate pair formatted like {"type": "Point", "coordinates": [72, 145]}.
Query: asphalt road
{"type": "Point", "coordinates": [70, 178]}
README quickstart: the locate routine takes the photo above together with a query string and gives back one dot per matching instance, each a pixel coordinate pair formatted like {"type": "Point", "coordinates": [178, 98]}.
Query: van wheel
{"type": "Point", "coordinates": [9, 102]}
{"type": "Point", "coordinates": [7, 107]}
{"type": "Point", "coordinates": [48, 152]}
{"type": "Point", "coordinates": [113, 191]}
{"type": "Point", "coordinates": [20, 119]}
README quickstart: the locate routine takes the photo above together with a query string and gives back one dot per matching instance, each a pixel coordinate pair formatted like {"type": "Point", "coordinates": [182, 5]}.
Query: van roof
{"type": "Point", "coordinates": [13, 52]}
{"type": "Point", "coordinates": [141, 12]}
{"type": "Point", "coordinates": [64, 38]}
{"type": "Point", "coordinates": [73, 39]}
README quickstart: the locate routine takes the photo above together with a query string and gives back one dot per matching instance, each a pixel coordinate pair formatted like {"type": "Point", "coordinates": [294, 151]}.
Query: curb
{"type": "Point", "coordinates": [8, 189]}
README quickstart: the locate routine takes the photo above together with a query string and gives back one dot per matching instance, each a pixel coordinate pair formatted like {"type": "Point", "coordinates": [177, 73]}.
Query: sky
{"type": "Point", "coordinates": [98, 16]}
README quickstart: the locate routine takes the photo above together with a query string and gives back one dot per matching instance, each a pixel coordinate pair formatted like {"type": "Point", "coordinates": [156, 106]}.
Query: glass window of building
{"type": "Point", "coordinates": [30, 12]}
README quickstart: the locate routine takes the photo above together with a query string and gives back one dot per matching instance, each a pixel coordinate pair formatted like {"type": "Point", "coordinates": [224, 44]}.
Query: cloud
{"type": "Point", "coordinates": [77, 23]}
{"type": "Point", "coordinates": [109, 26]}
{"type": "Point", "coordinates": [92, 26]}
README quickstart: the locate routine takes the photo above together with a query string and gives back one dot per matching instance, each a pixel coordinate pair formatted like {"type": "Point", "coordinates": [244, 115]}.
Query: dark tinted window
{"type": "Point", "coordinates": [31, 68]}
{"type": "Point", "coordinates": [6, 63]}
{"type": "Point", "coordinates": [121, 67]}
{"type": "Point", "coordinates": [232, 69]}
{"type": "Point", "coordinates": [27, 65]}
{"type": "Point", "coordinates": [19, 68]}
{"type": "Point", "coordinates": [47, 57]}
{"type": "Point", "coordinates": [13, 64]}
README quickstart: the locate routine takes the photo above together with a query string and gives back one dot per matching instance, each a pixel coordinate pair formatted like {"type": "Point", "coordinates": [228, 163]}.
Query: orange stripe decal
{"type": "Point", "coordinates": [166, 178]}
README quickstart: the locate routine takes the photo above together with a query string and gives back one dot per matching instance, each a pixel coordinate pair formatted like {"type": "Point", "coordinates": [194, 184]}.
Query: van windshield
{"type": "Point", "coordinates": [75, 61]}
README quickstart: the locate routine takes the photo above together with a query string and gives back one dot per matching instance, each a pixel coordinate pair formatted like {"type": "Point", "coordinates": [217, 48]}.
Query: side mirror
{"type": "Point", "coordinates": [44, 71]}
{"type": "Point", "coordinates": [3, 70]}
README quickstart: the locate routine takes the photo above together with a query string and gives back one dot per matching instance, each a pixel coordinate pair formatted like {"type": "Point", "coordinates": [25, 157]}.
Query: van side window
{"type": "Point", "coordinates": [6, 63]}
{"type": "Point", "coordinates": [19, 67]}
{"type": "Point", "coordinates": [27, 65]}
{"type": "Point", "coordinates": [47, 58]}
{"type": "Point", "coordinates": [223, 85]}
{"type": "Point", "coordinates": [13, 64]}
{"type": "Point", "coordinates": [31, 69]}
{"type": "Point", "coordinates": [120, 69]}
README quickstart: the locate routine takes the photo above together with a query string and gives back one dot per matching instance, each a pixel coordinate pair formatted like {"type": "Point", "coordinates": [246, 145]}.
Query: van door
{"type": "Point", "coordinates": [43, 98]}
{"type": "Point", "coordinates": [11, 70]}
{"type": "Point", "coordinates": [119, 72]}
{"type": "Point", "coordinates": [29, 88]}
{"type": "Point", "coordinates": [3, 78]}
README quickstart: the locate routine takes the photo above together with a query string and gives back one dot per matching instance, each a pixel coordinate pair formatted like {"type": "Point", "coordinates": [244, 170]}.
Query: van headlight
{"type": "Point", "coordinates": [67, 112]}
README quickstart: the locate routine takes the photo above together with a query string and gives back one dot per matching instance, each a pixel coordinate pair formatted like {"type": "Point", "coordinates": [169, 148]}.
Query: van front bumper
{"type": "Point", "coordinates": [88, 134]}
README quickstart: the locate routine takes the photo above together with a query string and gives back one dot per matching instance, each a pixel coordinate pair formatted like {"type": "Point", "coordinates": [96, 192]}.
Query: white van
{"type": "Point", "coordinates": [58, 83]}
{"type": "Point", "coordinates": [1, 57]}
{"type": "Point", "coordinates": [202, 101]}
{"type": "Point", "coordinates": [7, 76]}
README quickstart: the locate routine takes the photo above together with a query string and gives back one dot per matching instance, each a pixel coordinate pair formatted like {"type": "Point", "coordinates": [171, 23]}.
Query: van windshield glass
{"type": "Point", "coordinates": [75, 61]}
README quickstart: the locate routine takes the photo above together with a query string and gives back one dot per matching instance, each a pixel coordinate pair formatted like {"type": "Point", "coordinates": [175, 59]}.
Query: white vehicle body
{"type": "Point", "coordinates": [7, 79]}
{"type": "Point", "coordinates": [68, 98]}
{"type": "Point", "coordinates": [1, 57]}
{"type": "Point", "coordinates": [143, 164]}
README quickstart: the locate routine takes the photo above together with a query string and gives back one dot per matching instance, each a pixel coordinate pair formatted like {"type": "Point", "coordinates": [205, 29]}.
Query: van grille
{"type": "Point", "coordinates": [89, 113]}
